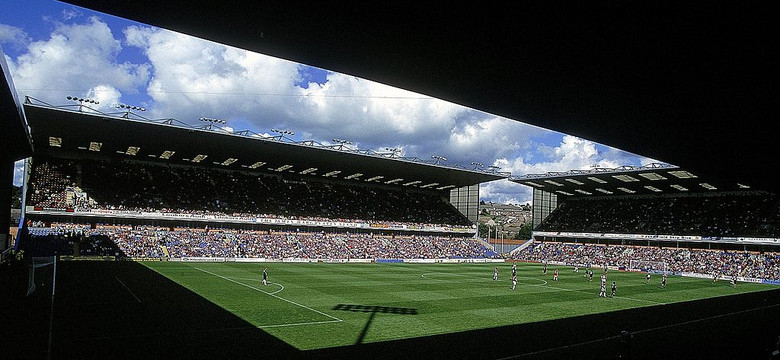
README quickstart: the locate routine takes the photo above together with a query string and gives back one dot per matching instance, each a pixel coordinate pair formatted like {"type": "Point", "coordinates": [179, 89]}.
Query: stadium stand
{"type": "Point", "coordinates": [63, 184]}
{"type": "Point", "coordinates": [715, 216]}
{"type": "Point", "coordinates": [147, 242]}
{"type": "Point", "coordinates": [757, 265]}
{"type": "Point", "coordinates": [67, 239]}
{"type": "Point", "coordinates": [730, 233]}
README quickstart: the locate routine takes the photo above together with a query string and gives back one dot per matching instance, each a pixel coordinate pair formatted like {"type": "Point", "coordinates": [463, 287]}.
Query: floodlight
{"type": "Point", "coordinates": [342, 142]}
{"type": "Point", "coordinates": [281, 133]}
{"type": "Point", "coordinates": [438, 159]}
{"type": "Point", "coordinates": [81, 101]}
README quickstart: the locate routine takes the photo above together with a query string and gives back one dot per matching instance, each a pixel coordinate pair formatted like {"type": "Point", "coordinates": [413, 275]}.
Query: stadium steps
{"type": "Point", "coordinates": [522, 246]}
{"type": "Point", "coordinates": [485, 243]}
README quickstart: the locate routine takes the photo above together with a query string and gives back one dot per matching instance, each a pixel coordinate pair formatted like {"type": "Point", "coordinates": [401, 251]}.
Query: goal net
{"type": "Point", "coordinates": [647, 266]}
{"type": "Point", "coordinates": [40, 274]}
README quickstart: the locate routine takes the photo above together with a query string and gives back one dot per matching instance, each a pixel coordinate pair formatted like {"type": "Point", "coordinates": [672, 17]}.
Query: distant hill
{"type": "Point", "coordinates": [510, 217]}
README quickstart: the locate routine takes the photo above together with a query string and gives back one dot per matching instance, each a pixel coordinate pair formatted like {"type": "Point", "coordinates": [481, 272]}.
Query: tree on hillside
{"type": "Point", "coordinates": [525, 231]}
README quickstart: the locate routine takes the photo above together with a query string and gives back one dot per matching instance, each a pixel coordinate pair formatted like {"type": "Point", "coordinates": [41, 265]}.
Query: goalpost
{"type": "Point", "coordinates": [648, 266]}
{"type": "Point", "coordinates": [41, 273]}
{"type": "Point", "coordinates": [42, 276]}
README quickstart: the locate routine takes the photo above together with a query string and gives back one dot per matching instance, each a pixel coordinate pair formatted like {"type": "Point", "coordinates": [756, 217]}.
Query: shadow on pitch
{"type": "Point", "coordinates": [125, 310]}
{"type": "Point", "coordinates": [373, 310]}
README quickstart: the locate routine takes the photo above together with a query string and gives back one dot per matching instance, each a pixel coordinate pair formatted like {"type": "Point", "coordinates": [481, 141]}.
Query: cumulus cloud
{"type": "Point", "coordinates": [76, 60]}
{"type": "Point", "coordinates": [193, 78]}
{"type": "Point", "coordinates": [505, 192]}
{"type": "Point", "coordinates": [572, 153]}
{"type": "Point", "coordinates": [483, 138]}
{"type": "Point", "coordinates": [13, 36]}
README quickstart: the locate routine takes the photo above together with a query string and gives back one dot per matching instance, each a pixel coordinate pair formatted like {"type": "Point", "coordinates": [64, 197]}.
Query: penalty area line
{"type": "Point", "coordinates": [335, 319]}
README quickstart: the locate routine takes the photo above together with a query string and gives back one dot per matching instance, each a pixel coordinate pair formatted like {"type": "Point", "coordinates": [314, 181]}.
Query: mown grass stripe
{"type": "Point", "coordinates": [270, 294]}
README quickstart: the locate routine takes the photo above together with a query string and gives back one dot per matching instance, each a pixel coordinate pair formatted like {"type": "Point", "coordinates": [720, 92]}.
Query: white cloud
{"type": "Point", "coordinates": [107, 95]}
{"type": "Point", "coordinates": [194, 78]}
{"type": "Point", "coordinates": [71, 13]}
{"type": "Point", "coordinates": [484, 138]}
{"type": "Point", "coordinates": [76, 60]}
{"type": "Point", "coordinates": [572, 153]}
{"type": "Point", "coordinates": [505, 191]}
{"type": "Point", "coordinates": [13, 36]}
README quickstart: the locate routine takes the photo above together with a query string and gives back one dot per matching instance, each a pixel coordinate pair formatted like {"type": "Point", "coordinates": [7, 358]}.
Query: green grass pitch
{"type": "Point", "coordinates": [320, 305]}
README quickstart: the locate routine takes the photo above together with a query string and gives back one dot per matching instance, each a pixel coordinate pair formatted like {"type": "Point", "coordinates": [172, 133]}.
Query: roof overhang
{"type": "Point", "coordinates": [15, 141]}
{"type": "Point", "coordinates": [651, 179]}
{"type": "Point", "coordinates": [68, 133]}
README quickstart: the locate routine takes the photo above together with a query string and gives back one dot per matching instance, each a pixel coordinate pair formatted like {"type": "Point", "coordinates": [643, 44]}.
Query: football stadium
{"type": "Point", "coordinates": [152, 238]}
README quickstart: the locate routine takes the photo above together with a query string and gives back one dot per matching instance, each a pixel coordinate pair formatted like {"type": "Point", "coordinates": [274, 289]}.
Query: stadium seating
{"type": "Point", "coordinates": [148, 242]}
{"type": "Point", "coordinates": [141, 242]}
{"type": "Point", "coordinates": [701, 261]}
{"type": "Point", "coordinates": [106, 184]}
{"type": "Point", "coordinates": [67, 239]}
{"type": "Point", "coordinates": [749, 214]}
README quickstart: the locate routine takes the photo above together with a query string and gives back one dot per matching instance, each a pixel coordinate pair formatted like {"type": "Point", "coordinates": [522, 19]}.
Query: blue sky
{"type": "Point", "coordinates": [56, 50]}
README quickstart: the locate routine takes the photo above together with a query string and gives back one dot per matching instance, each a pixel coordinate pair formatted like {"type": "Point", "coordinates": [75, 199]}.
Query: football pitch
{"type": "Point", "coordinates": [323, 305]}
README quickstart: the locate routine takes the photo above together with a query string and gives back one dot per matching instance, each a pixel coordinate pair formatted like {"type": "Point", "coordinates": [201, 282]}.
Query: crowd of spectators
{"type": "Point", "coordinates": [747, 214]}
{"type": "Point", "coordinates": [319, 245]}
{"type": "Point", "coordinates": [157, 242]}
{"type": "Point", "coordinates": [137, 186]}
{"type": "Point", "coordinates": [701, 261]}
{"type": "Point", "coordinates": [49, 183]}
{"type": "Point", "coordinates": [141, 242]}
{"type": "Point", "coordinates": [67, 239]}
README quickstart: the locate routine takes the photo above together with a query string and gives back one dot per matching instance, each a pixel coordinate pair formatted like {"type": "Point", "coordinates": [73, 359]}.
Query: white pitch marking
{"type": "Point", "coordinates": [128, 289]}
{"type": "Point", "coordinates": [270, 294]}
{"type": "Point", "coordinates": [298, 324]}
{"type": "Point", "coordinates": [271, 283]}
